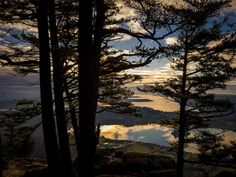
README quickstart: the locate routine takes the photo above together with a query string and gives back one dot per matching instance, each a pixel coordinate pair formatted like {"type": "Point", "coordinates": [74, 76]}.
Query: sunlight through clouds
{"type": "Point", "coordinates": [128, 13]}
{"type": "Point", "coordinates": [152, 75]}
{"type": "Point", "coordinates": [8, 41]}
{"type": "Point", "coordinates": [125, 11]}
{"type": "Point", "coordinates": [171, 40]}
{"type": "Point", "coordinates": [135, 27]}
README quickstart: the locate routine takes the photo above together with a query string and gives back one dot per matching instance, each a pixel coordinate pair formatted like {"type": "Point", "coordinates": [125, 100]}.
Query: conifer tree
{"type": "Point", "coordinates": [1, 161]}
{"type": "Point", "coordinates": [49, 130]}
{"type": "Point", "coordinates": [88, 76]}
{"type": "Point", "coordinates": [58, 78]}
{"type": "Point", "coordinates": [201, 60]}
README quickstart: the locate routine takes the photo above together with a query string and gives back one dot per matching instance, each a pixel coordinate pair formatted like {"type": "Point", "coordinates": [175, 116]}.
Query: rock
{"type": "Point", "coordinates": [118, 153]}
{"type": "Point", "coordinates": [162, 173]}
{"type": "Point", "coordinates": [103, 154]}
{"type": "Point", "coordinates": [104, 151]}
{"type": "Point", "coordinates": [115, 166]}
{"type": "Point", "coordinates": [115, 176]}
{"type": "Point", "coordinates": [135, 161]}
{"type": "Point", "coordinates": [142, 162]}
{"type": "Point", "coordinates": [164, 162]}
{"type": "Point", "coordinates": [39, 172]}
{"type": "Point", "coordinates": [226, 173]}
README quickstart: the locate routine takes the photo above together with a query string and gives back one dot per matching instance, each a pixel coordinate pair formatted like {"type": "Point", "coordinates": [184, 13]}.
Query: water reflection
{"type": "Point", "coordinates": [153, 133]}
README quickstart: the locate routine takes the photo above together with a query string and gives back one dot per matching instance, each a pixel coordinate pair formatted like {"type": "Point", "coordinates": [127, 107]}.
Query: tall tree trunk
{"type": "Point", "coordinates": [98, 38]}
{"type": "Point", "coordinates": [49, 130]}
{"type": "Point", "coordinates": [182, 115]}
{"type": "Point", "coordinates": [98, 34]}
{"type": "Point", "coordinates": [73, 116]}
{"type": "Point", "coordinates": [180, 154]}
{"type": "Point", "coordinates": [1, 163]}
{"type": "Point", "coordinates": [87, 91]}
{"type": "Point", "coordinates": [58, 94]}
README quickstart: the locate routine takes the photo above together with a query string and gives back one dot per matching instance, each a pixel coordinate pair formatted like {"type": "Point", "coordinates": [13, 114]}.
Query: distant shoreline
{"type": "Point", "coordinates": [151, 116]}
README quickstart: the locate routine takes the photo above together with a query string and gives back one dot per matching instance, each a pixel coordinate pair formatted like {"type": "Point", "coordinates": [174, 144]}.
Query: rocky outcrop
{"type": "Point", "coordinates": [38, 172]}
{"type": "Point", "coordinates": [110, 162]}
{"type": "Point", "coordinates": [226, 173]}
{"type": "Point", "coordinates": [135, 164]}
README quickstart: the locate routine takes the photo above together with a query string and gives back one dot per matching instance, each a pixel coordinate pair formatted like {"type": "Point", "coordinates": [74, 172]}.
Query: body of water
{"type": "Point", "coordinates": [153, 133]}
{"type": "Point", "coordinates": [13, 88]}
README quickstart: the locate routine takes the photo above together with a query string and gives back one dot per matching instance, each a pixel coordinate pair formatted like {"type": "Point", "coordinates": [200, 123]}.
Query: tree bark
{"type": "Point", "coordinates": [182, 115]}
{"type": "Point", "coordinates": [64, 147]}
{"type": "Point", "coordinates": [49, 130]}
{"type": "Point", "coordinates": [1, 163]}
{"type": "Point", "coordinates": [180, 154]}
{"type": "Point", "coordinates": [73, 116]}
{"type": "Point", "coordinates": [87, 91]}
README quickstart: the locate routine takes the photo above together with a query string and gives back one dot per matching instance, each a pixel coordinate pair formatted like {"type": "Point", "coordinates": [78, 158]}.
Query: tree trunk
{"type": "Point", "coordinates": [50, 137]}
{"type": "Point", "coordinates": [1, 163]}
{"type": "Point", "coordinates": [58, 94]}
{"type": "Point", "coordinates": [98, 34]}
{"type": "Point", "coordinates": [73, 116]}
{"type": "Point", "coordinates": [182, 115]}
{"type": "Point", "coordinates": [180, 155]}
{"type": "Point", "coordinates": [87, 91]}
{"type": "Point", "coordinates": [75, 126]}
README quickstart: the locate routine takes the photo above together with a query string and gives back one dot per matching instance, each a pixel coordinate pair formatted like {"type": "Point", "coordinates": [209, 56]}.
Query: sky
{"type": "Point", "coordinates": [13, 86]}
{"type": "Point", "coordinates": [159, 69]}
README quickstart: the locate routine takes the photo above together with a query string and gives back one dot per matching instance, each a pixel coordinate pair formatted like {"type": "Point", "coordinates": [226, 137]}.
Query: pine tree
{"type": "Point", "coordinates": [49, 130]}
{"type": "Point", "coordinates": [88, 77]}
{"type": "Point", "coordinates": [201, 60]}
{"type": "Point", "coordinates": [58, 78]}
{"type": "Point", "coordinates": [1, 160]}
{"type": "Point", "coordinates": [16, 134]}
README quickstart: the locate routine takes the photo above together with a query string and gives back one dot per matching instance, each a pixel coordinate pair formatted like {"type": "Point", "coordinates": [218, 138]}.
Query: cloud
{"type": "Point", "coordinates": [152, 75]}
{"type": "Point", "coordinates": [8, 39]}
{"type": "Point", "coordinates": [122, 37]}
{"type": "Point", "coordinates": [119, 52]}
{"type": "Point", "coordinates": [171, 40]}
{"type": "Point", "coordinates": [233, 5]}
{"type": "Point", "coordinates": [125, 11]}
{"type": "Point", "coordinates": [6, 50]}
{"type": "Point", "coordinates": [135, 27]}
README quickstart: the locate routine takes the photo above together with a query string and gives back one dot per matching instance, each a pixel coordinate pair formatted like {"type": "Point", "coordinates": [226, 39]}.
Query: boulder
{"type": "Point", "coordinates": [163, 162]}
{"type": "Point", "coordinates": [143, 162]}
{"type": "Point", "coordinates": [162, 173]}
{"type": "Point", "coordinates": [39, 172]}
{"type": "Point", "coordinates": [103, 154]}
{"type": "Point", "coordinates": [115, 176]}
{"type": "Point", "coordinates": [118, 153]}
{"type": "Point", "coordinates": [135, 161]}
{"type": "Point", "coordinates": [226, 173]}
{"type": "Point", "coordinates": [115, 166]}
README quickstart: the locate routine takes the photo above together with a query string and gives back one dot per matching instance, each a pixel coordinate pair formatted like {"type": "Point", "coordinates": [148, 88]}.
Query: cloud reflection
{"type": "Point", "coordinates": [152, 133]}
{"type": "Point", "coordinates": [155, 134]}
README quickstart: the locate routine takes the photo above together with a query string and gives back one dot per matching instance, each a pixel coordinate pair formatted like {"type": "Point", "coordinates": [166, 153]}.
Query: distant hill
{"type": "Point", "coordinates": [149, 115]}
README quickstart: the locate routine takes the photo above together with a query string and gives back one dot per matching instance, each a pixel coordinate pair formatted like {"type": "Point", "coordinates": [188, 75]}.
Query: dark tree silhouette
{"type": "Point", "coordinates": [49, 130]}
{"type": "Point", "coordinates": [58, 75]}
{"type": "Point", "coordinates": [1, 162]}
{"type": "Point", "coordinates": [201, 60]}
{"type": "Point", "coordinates": [15, 132]}
{"type": "Point", "coordinates": [111, 93]}
{"type": "Point", "coordinates": [88, 85]}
